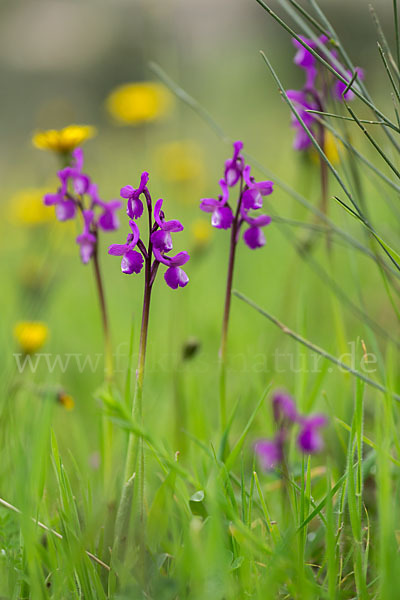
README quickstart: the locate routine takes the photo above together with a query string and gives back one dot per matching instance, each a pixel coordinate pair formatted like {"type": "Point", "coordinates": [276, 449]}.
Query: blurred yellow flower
{"type": "Point", "coordinates": [66, 400]}
{"type": "Point", "coordinates": [27, 208]}
{"type": "Point", "coordinates": [31, 335]}
{"type": "Point", "coordinates": [201, 232]}
{"type": "Point", "coordinates": [141, 102]}
{"type": "Point", "coordinates": [331, 149]}
{"type": "Point", "coordinates": [63, 140]}
{"type": "Point", "coordinates": [180, 160]}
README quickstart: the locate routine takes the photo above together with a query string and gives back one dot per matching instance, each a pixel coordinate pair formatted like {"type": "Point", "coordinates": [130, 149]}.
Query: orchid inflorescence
{"type": "Point", "coordinates": [309, 440]}
{"type": "Point", "coordinates": [77, 193]}
{"type": "Point", "coordinates": [320, 86]}
{"type": "Point", "coordinates": [250, 198]}
{"type": "Point", "coordinates": [159, 243]}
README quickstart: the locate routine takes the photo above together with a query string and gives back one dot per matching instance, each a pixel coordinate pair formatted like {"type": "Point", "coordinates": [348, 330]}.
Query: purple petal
{"type": "Point", "coordinates": [176, 277]}
{"type": "Point", "coordinates": [51, 199]}
{"type": "Point", "coordinates": [269, 453]}
{"type": "Point", "coordinates": [252, 199]}
{"type": "Point", "coordinates": [132, 262]}
{"type": "Point", "coordinates": [77, 156]}
{"type": "Point", "coordinates": [315, 421]}
{"type": "Point", "coordinates": [144, 178]}
{"type": "Point", "coordinates": [81, 183]}
{"type": "Point", "coordinates": [260, 221]}
{"type": "Point", "coordinates": [222, 218]}
{"type": "Point", "coordinates": [108, 221]}
{"type": "Point", "coordinates": [284, 407]}
{"type": "Point", "coordinates": [127, 191]}
{"type": "Point", "coordinates": [254, 237]}
{"type": "Point", "coordinates": [65, 210]}
{"type": "Point", "coordinates": [172, 261]}
{"type": "Point", "coordinates": [265, 187]}
{"type": "Point", "coordinates": [310, 440]}
{"type": "Point", "coordinates": [118, 249]}
{"type": "Point", "coordinates": [134, 208]}
{"type": "Point", "coordinates": [162, 240]}
{"type": "Point", "coordinates": [225, 191]}
{"type": "Point", "coordinates": [136, 234]}
{"type": "Point", "coordinates": [209, 204]}
{"type": "Point", "coordinates": [87, 247]}
{"type": "Point", "coordinates": [172, 226]}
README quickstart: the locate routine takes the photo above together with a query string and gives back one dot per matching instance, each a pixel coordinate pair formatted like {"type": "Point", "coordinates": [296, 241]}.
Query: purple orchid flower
{"type": "Point", "coordinates": [250, 198]}
{"type": "Point", "coordinates": [160, 240]}
{"type": "Point", "coordinates": [80, 181]}
{"type": "Point", "coordinates": [65, 208]}
{"type": "Point", "coordinates": [314, 96]}
{"type": "Point", "coordinates": [132, 260]}
{"type": "Point", "coordinates": [83, 197]}
{"type": "Point", "coordinates": [222, 216]}
{"type": "Point", "coordinates": [134, 208]}
{"type": "Point", "coordinates": [253, 195]}
{"type": "Point", "coordinates": [87, 240]}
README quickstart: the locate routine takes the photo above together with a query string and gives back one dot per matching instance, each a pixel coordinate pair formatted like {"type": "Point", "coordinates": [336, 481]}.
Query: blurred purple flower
{"type": "Point", "coordinates": [305, 60]}
{"type": "Point", "coordinates": [315, 94]}
{"type": "Point", "coordinates": [83, 197]}
{"type": "Point", "coordinates": [302, 104]}
{"type": "Point", "coordinates": [284, 407]}
{"type": "Point", "coordinates": [270, 453]}
{"type": "Point", "coordinates": [309, 439]}
{"type": "Point", "coordinates": [250, 198]}
{"type": "Point", "coordinates": [340, 86]}
{"type": "Point", "coordinates": [87, 240]}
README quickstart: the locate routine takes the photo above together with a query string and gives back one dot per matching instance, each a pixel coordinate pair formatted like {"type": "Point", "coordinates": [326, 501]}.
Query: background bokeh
{"type": "Point", "coordinates": [58, 63]}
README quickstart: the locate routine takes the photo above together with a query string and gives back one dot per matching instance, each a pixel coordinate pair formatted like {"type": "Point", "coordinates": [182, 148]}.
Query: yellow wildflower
{"type": "Point", "coordinates": [180, 161]}
{"type": "Point", "coordinates": [141, 102]}
{"type": "Point", "coordinates": [31, 335]}
{"type": "Point", "coordinates": [63, 140]}
{"type": "Point", "coordinates": [66, 400]}
{"type": "Point", "coordinates": [27, 208]}
{"type": "Point", "coordinates": [331, 149]}
{"type": "Point", "coordinates": [201, 232]}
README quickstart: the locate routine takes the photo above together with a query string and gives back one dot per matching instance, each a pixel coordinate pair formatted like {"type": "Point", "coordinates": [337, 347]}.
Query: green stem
{"type": "Point", "coordinates": [225, 322]}
{"type": "Point", "coordinates": [104, 316]}
{"type": "Point", "coordinates": [135, 443]}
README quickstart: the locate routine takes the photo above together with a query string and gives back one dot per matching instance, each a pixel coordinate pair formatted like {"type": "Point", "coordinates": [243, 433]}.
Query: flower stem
{"type": "Point", "coordinates": [225, 322]}
{"type": "Point", "coordinates": [135, 444]}
{"type": "Point", "coordinates": [225, 326]}
{"type": "Point", "coordinates": [104, 316]}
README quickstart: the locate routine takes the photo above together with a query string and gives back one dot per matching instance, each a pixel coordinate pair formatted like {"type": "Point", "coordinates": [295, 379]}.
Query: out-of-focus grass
{"type": "Point", "coordinates": [249, 536]}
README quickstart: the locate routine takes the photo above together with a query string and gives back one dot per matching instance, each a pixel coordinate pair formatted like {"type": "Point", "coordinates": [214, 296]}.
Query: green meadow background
{"type": "Point", "coordinates": [58, 63]}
